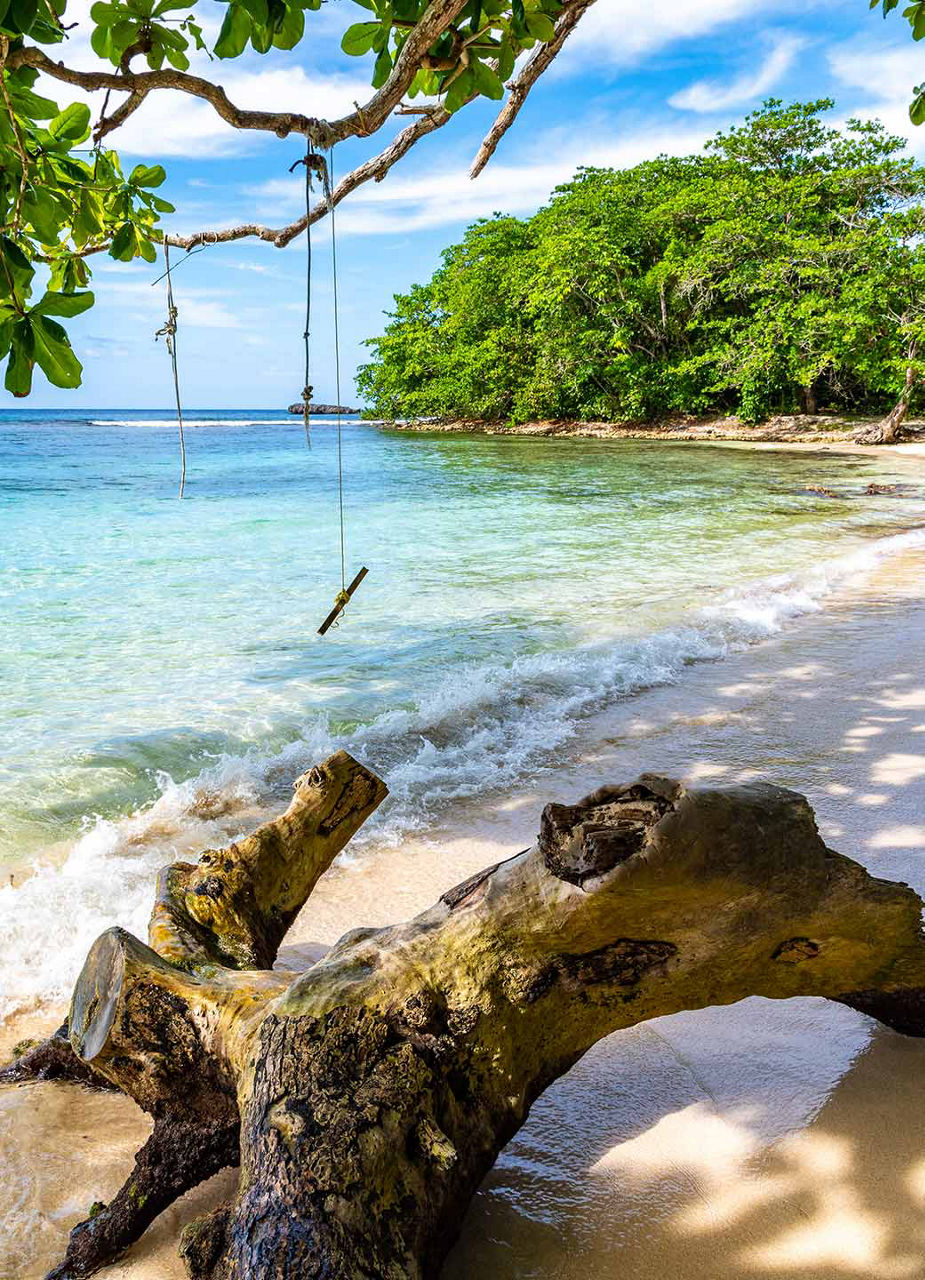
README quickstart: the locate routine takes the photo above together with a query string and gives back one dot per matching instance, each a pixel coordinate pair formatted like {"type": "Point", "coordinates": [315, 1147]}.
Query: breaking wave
{"type": "Point", "coordinates": [482, 728]}
{"type": "Point", "coordinates": [197, 422]}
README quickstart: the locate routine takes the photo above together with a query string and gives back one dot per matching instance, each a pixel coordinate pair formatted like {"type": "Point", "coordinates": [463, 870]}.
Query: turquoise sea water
{"type": "Point", "coordinates": [156, 651]}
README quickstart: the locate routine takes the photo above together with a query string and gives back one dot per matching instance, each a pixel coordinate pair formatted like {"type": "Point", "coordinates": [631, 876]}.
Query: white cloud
{"type": "Point", "coordinates": [617, 33]}
{"type": "Point", "coordinates": [881, 82]}
{"type": "Point", "coordinates": [405, 203]}
{"type": "Point", "coordinates": [198, 308]}
{"type": "Point", "coordinates": [714, 95]}
{"type": "Point", "coordinates": [202, 313]}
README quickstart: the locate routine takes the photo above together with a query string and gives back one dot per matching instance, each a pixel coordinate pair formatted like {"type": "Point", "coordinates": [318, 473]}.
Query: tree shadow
{"type": "Point", "coordinates": [605, 1180]}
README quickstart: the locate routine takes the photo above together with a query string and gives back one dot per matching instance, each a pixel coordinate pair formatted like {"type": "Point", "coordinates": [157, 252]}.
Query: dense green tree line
{"type": "Point", "coordinates": [782, 268]}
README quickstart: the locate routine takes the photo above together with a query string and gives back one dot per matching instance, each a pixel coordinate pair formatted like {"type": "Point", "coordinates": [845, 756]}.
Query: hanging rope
{"type": "Point", "coordinates": [169, 333]}
{"type": "Point", "coordinates": [337, 399]}
{"type": "Point", "coordinates": [342, 599]}
{"type": "Point", "coordinates": [308, 161]}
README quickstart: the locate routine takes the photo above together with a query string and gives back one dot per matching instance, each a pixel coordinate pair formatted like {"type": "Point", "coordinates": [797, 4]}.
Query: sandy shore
{"type": "Point", "coordinates": [792, 430]}
{"type": "Point", "coordinates": [767, 1139]}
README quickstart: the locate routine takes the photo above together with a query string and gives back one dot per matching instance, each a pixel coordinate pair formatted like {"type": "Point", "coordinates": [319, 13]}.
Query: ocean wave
{"type": "Point", "coordinates": [482, 729]}
{"type": "Point", "coordinates": [192, 422]}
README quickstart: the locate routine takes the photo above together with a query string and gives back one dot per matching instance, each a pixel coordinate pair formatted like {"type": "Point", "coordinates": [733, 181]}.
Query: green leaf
{"type": "Point", "coordinates": [17, 265]}
{"type": "Point", "coordinates": [123, 243]}
{"type": "Point", "coordinates": [262, 39]}
{"type": "Point", "coordinates": [21, 15]}
{"type": "Point", "coordinates": [486, 81]}
{"type": "Point", "coordinates": [101, 43]}
{"type": "Point", "coordinates": [72, 124]}
{"type": "Point", "coordinates": [290, 30]}
{"type": "Point", "coordinates": [147, 175]}
{"type": "Point", "coordinates": [234, 34]}
{"type": "Point", "coordinates": [917, 109]}
{"type": "Point", "coordinates": [53, 354]}
{"type": "Point", "coordinates": [539, 25]}
{"type": "Point", "coordinates": [106, 15]}
{"type": "Point", "coordinates": [459, 91]}
{"type": "Point", "coordinates": [258, 10]}
{"type": "Point", "coordinates": [196, 32]}
{"type": "Point", "coordinates": [6, 337]}
{"type": "Point", "coordinates": [18, 378]}
{"type": "Point", "coordinates": [63, 304]}
{"type": "Point", "coordinates": [30, 104]}
{"type": "Point", "coordinates": [383, 69]}
{"type": "Point", "coordinates": [359, 38]}
{"type": "Point", "coordinates": [506, 59]}
{"type": "Point", "coordinates": [178, 59]}
{"type": "Point", "coordinates": [40, 210]}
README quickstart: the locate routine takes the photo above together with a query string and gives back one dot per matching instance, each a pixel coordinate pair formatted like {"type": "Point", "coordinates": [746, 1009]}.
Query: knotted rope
{"type": "Point", "coordinates": [169, 332]}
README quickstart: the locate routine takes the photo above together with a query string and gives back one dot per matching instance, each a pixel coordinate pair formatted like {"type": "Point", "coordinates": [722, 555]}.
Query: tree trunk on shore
{"type": "Point", "coordinates": [376, 1090]}
{"type": "Point", "coordinates": [891, 428]}
{"type": "Point", "coordinates": [808, 402]}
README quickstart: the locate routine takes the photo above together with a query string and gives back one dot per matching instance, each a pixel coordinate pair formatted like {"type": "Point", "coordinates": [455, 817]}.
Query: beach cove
{"type": "Point", "coordinates": [762, 1138]}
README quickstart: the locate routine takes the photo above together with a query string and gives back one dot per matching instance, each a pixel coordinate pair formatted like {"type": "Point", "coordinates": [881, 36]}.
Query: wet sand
{"type": "Point", "coordinates": [765, 1139]}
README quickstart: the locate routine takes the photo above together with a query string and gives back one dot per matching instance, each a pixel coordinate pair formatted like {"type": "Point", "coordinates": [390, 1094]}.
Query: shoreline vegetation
{"type": "Point", "coordinates": [781, 271]}
{"type": "Point", "coordinates": [783, 429]}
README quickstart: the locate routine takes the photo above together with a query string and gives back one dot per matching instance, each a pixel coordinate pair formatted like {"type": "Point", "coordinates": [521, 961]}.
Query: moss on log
{"type": "Point", "coordinates": [376, 1090]}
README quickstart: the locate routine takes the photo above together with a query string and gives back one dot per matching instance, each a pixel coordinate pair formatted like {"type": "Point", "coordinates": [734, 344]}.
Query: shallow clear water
{"type": "Point", "coordinates": [155, 651]}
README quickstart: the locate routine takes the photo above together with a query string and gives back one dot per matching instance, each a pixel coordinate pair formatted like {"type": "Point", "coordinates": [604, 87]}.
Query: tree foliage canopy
{"type": "Point", "coordinates": [65, 197]}
{"type": "Point", "coordinates": [783, 264]}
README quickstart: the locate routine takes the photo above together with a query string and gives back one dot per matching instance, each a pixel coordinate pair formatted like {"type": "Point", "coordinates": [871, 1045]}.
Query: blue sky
{"type": "Point", "coordinates": [636, 79]}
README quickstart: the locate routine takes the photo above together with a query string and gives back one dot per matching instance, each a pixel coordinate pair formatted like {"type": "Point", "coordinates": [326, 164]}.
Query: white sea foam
{"type": "Point", "coordinates": [194, 422]}
{"type": "Point", "coordinates": [483, 727]}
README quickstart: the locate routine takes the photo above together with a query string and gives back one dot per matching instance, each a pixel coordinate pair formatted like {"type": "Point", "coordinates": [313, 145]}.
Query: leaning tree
{"type": "Point", "coordinates": [367, 1097]}
{"type": "Point", "coordinates": [65, 197]}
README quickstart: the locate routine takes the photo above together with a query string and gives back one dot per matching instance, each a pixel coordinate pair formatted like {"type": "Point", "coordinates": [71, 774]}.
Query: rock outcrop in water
{"type": "Point", "coordinates": [321, 409]}
{"type": "Point", "coordinates": [369, 1096]}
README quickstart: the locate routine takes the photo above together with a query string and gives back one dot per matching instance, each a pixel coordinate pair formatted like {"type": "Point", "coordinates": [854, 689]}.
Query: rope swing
{"type": "Point", "coordinates": [169, 333]}
{"type": "Point", "coordinates": [313, 162]}
{"type": "Point", "coordinates": [343, 597]}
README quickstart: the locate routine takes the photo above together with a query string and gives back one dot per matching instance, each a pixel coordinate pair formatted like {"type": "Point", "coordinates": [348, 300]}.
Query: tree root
{"type": "Point", "coordinates": [177, 1157]}
{"type": "Point", "coordinates": [52, 1059]}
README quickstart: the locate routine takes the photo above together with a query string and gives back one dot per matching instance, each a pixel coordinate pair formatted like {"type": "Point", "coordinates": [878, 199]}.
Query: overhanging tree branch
{"type": "Point", "coordinates": [375, 169]}
{"type": "Point", "coordinates": [362, 122]}
{"type": "Point", "coordinates": [141, 83]}
{"type": "Point", "coordinates": [437, 51]}
{"type": "Point", "coordinates": [538, 62]}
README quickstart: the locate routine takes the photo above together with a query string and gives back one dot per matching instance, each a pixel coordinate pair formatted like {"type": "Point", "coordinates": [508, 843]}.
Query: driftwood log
{"type": "Point", "coordinates": [370, 1095]}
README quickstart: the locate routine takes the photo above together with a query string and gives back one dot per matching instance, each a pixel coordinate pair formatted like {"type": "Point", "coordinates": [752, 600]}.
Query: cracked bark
{"type": "Point", "coordinates": [376, 1090]}
{"type": "Point", "coordinates": [150, 1020]}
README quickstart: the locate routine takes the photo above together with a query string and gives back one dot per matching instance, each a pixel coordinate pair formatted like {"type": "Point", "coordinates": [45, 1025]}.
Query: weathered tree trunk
{"type": "Point", "coordinates": [891, 428]}
{"type": "Point", "coordinates": [153, 1020]}
{"type": "Point", "coordinates": [808, 401]}
{"type": "Point", "coordinates": [377, 1089]}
